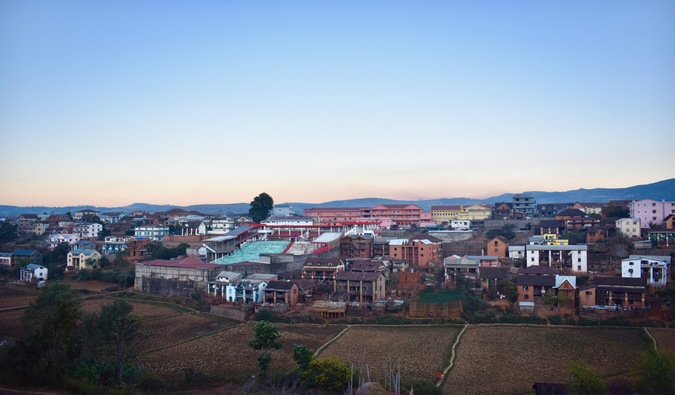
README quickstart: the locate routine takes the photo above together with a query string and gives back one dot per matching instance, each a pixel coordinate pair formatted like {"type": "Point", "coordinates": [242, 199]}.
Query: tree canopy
{"type": "Point", "coordinates": [261, 206]}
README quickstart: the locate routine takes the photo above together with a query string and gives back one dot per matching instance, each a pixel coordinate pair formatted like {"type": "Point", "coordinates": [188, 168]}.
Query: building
{"type": "Point", "coordinates": [655, 269]}
{"type": "Point", "coordinates": [455, 265]}
{"type": "Point", "coordinates": [630, 227]}
{"type": "Point", "coordinates": [223, 279]}
{"type": "Point", "coordinates": [498, 246]}
{"type": "Point", "coordinates": [6, 259]}
{"type": "Point", "coordinates": [421, 250]}
{"type": "Point", "coordinates": [29, 256]}
{"type": "Point", "coordinates": [58, 238]}
{"type": "Point", "coordinates": [442, 215]}
{"type": "Point", "coordinates": [613, 291]}
{"type": "Point", "coordinates": [114, 244]}
{"type": "Point", "coordinates": [650, 212]}
{"type": "Point", "coordinates": [357, 246]}
{"type": "Point", "coordinates": [32, 272]}
{"type": "Point", "coordinates": [83, 259]}
{"type": "Point", "coordinates": [79, 214]}
{"type": "Point", "coordinates": [181, 277]}
{"type": "Point", "coordinates": [571, 258]}
{"type": "Point", "coordinates": [322, 269]}
{"type": "Point", "coordinates": [152, 232]}
{"type": "Point", "coordinates": [247, 290]}
{"type": "Point", "coordinates": [278, 291]}
{"type": "Point", "coordinates": [524, 203]}
{"type": "Point", "coordinates": [362, 287]}
{"type": "Point", "coordinates": [88, 230]}
{"type": "Point", "coordinates": [288, 221]}
{"type": "Point", "coordinates": [458, 224]}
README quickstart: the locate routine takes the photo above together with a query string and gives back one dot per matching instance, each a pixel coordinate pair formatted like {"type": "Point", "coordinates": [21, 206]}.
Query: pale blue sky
{"type": "Point", "coordinates": [189, 102]}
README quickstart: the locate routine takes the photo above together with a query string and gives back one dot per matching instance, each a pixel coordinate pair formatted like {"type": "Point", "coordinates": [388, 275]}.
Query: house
{"type": "Point", "coordinates": [357, 246]}
{"type": "Point", "coordinates": [524, 203]}
{"type": "Point", "coordinates": [286, 292]}
{"type": "Point", "coordinates": [650, 212]}
{"type": "Point", "coordinates": [152, 232]}
{"type": "Point", "coordinates": [30, 256]}
{"type": "Point", "coordinates": [669, 222]}
{"type": "Point", "coordinates": [485, 260]}
{"type": "Point", "coordinates": [589, 208]}
{"type": "Point", "coordinates": [535, 283]}
{"type": "Point", "coordinates": [223, 279]}
{"type": "Point", "coordinates": [455, 265]}
{"type": "Point", "coordinates": [6, 259]}
{"type": "Point", "coordinates": [498, 246]}
{"type": "Point", "coordinates": [137, 248]}
{"type": "Point", "coordinates": [502, 210]}
{"type": "Point", "coordinates": [490, 276]}
{"type": "Point", "coordinates": [83, 259]}
{"type": "Point", "coordinates": [655, 269]}
{"type": "Point", "coordinates": [182, 277]}
{"type": "Point", "coordinates": [322, 269]}
{"type": "Point", "coordinates": [630, 227]}
{"type": "Point", "coordinates": [613, 291]}
{"type": "Point", "coordinates": [573, 258]}
{"type": "Point", "coordinates": [83, 245]}
{"type": "Point", "coordinates": [362, 287]}
{"type": "Point", "coordinates": [421, 250]}
{"type": "Point", "coordinates": [457, 224]}
{"type": "Point", "coordinates": [476, 212]}
{"type": "Point", "coordinates": [575, 219]}
{"type": "Point", "coordinates": [114, 244]}
{"type": "Point", "coordinates": [58, 238]}
{"type": "Point", "coordinates": [32, 272]}
{"type": "Point", "coordinates": [246, 291]}
{"type": "Point", "coordinates": [88, 230]}
{"type": "Point", "coordinates": [25, 223]}
{"type": "Point", "coordinates": [597, 234]}
{"type": "Point", "coordinates": [78, 215]}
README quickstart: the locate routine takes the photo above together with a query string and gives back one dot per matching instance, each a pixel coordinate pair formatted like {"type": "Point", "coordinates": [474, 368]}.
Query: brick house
{"type": "Point", "coordinates": [498, 246]}
{"type": "Point", "coordinates": [278, 291]}
{"type": "Point", "coordinates": [421, 250]}
{"type": "Point", "coordinates": [322, 269]}
{"type": "Point", "coordinates": [362, 287]}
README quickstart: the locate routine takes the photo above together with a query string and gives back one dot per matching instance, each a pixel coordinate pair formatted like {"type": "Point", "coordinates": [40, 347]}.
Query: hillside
{"type": "Point", "coordinates": [662, 190]}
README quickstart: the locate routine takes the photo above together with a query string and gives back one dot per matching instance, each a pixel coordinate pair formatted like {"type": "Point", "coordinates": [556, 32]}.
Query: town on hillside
{"type": "Point", "coordinates": [568, 261]}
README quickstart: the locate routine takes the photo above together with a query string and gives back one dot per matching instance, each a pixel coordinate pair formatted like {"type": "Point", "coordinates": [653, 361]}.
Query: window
{"type": "Point", "coordinates": [579, 267]}
{"type": "Point", "coordinates": [527, 296]}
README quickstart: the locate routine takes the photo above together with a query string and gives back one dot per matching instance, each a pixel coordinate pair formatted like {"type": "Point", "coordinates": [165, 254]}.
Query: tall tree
{"type": "Point", "coordinates": [585, 381]}
{"type": "Point", "coordinates": [655, 373]}
{"type": "Point", "coordinates": [261, 206]}
{"type": "Point", "coordinates": [112, 336]}
{"type": "Point", "coordinates": [266, 338]}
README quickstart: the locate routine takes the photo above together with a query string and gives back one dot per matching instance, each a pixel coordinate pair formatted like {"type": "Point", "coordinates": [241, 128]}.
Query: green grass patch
{"type": "Point", "coordinates": [439, 297]}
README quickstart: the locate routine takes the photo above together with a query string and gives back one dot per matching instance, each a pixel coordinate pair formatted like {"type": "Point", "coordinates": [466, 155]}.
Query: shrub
{"type": "Point", "coordinates": [330, 374]}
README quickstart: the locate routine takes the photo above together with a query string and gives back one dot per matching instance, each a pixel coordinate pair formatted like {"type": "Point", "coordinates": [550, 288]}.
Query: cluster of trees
{"type": "Point", "coordinates": [65, 347]}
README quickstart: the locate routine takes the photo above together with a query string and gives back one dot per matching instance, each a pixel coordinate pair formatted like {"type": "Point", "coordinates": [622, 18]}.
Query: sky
{"type": "Point", "coordinates": [109, 103]}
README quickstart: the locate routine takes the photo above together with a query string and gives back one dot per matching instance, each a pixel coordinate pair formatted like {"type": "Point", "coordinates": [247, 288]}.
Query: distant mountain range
{"type": "Point", "coordinates": [662, 190]}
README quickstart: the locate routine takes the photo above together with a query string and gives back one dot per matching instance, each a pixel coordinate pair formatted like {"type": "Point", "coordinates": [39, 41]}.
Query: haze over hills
{"type": "Point", "coordinates": [661, 190]}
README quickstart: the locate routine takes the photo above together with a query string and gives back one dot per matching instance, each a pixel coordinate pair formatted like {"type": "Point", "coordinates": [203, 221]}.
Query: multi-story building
{"type": "Point", "coordinates": [83, 259]}
{"type": "Point", "coordinates": [152, 232]}
{"type": "Point", "coordinates": [421, 250]}
{"type": "Point", "coordinates": [442, 215]}
{"type": "Point", "coordinates": [79, 214]}
{"type": "Point", "coordinates": [88, 230]}
{"type": "Point", "coordinates": [655, 269]}
{"type": "Point", "coordinates": [524, 203]}
{"type": "Point", "coordinates": [30, 256]}
{"type": "Point", "coordinates": [58, 238]}
{"type": "Point", "coordinates": [629, 227]}
{"type": "Point", "coordinates": [650, 212]}
{"type": "Point", "coordinates": [331, 215]}
{"type": "Point", "coordinates": [323, 269]}
{"type": "Point", "coordinates": [572, 258]}
{"type": "Point", "coordinates": [114, 244]}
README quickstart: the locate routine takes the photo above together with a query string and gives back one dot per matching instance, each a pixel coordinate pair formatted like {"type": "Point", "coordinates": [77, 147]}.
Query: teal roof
{"type": "Point", "coordinates": [250, 252]}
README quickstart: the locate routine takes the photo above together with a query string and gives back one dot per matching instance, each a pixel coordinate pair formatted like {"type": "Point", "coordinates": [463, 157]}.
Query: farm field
{"type": "Point", "coordinates": [422, 350]}
{"type": "Point", "coordinates": [226, 352]}
{"type": "Point", "coordinates": [665, 338]}
{"type": "Point", "coordinates": [509, 359]}
{"type": "Point", "coordinates": [16, 296]}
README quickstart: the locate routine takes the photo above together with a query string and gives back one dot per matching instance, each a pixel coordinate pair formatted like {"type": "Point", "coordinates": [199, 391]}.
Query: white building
{"type": "Point", "coordinates": [573, 257]}
{"type": "Point", "coordinates": [245, 291]}
{"type": "Point", "coordinates": [152, 232]}
{"type": "Point", "coordinates": [87, 230]}
{"type": "Point", "coordinates": [58, 238]}
{"type": "Point", "coordinates": [460, 224]}
{"type": "Point", "coordinates": [114, 244]}
{"type": "Point", "coordinates": [217, 226]}
{"type": "Point", "coordinates": [288, 221]}
{"type": "Point", "coordinates": [654, 268]}
{"type": "Point", "coordinates": [33, 271]}
{"type": "Point", "coordinates": [629, 227]}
